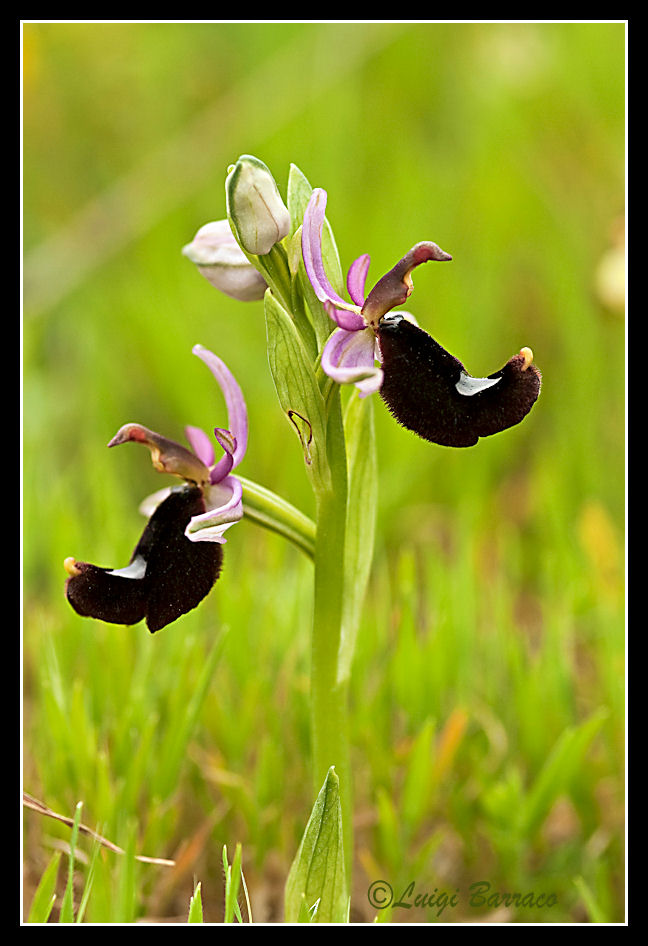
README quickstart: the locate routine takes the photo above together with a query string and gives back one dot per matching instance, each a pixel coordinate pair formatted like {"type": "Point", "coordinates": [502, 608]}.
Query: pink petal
{"type": "Point", "coordinates": [226, 463]}
{"type": "Point", "coordinates": [348, 358]}
{"type": "Point", "coordinates": [312, 253]}
{"type": "Point", "coordinates": [224, 503]}
{"type": "Point", "coordinates": [200, 444]}
{"type": "Point", "coordinates": [234, 400]}
{"type": "Point", "coordinates": [357, 277]}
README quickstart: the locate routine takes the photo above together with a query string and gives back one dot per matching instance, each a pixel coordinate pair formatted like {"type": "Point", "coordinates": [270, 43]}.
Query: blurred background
{"type": "Point", "coordinates": [488, 691]}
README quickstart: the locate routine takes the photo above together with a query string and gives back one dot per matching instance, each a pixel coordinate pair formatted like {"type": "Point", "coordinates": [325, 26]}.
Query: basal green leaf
{"type": "Point", "coordinates": [316, 886]}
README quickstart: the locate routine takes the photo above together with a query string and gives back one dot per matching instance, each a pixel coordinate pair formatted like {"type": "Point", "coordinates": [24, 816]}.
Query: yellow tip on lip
{"type": "Point", "coordinates": [70, 566]}
{"type": "Point", "coordinates": [527, 354]}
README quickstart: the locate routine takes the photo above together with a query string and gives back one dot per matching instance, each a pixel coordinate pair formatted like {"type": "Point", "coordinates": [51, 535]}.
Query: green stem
{"type": "Point", "coordinates": [329, 694]}
{"type": "Point", "coordinates": [276, 272]}
{"type": "Point", "coordinates": [274, 513]}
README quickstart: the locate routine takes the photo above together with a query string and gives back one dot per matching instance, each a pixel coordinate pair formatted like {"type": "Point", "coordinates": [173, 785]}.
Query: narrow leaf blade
{"type": "Point", "coordinates": [558, 771]}
{"type": "Point", "coordinates": [317, 875]}
{"type": "Point", "coordinates": [67, 905]}
{"type": "Point", "coordinates": [45, 896]}
{"type": "Point", "coordinates": [195, 906]}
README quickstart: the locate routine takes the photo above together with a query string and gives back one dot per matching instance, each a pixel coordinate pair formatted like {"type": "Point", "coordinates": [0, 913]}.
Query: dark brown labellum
{"type": "Point", "coordinates": [429, 391]}
{"type": "Point", "coordinates": [168, 574]}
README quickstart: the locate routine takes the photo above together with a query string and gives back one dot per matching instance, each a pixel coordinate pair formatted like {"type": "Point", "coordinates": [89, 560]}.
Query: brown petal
{"type": "Point", "coordinates": [167, 455]}
{"type": "Point", "coordinates": [395, 286]}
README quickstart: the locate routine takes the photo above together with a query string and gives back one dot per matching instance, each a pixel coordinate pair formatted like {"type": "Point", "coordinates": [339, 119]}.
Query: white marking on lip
{"type": "Point", "coordinates": [469, 386]}
{"type": "Point", "coordinates": [136, 569]}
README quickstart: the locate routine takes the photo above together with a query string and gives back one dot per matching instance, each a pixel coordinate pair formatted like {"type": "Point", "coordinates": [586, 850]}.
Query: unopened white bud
{"type": "Point", "coordinates": [257, 213]}
{"type": "Point", "coordinates": [223, 263]}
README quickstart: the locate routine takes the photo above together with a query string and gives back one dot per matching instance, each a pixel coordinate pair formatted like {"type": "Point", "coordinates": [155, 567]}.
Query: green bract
{"type": "Point", "coordinates": [316, 887]}
{"type": "Point", "coordinates": [297, 388]}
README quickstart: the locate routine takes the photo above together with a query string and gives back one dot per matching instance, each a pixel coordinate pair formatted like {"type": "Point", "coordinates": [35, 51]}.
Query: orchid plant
{"type": "Point", "coordinates": [317, 342]}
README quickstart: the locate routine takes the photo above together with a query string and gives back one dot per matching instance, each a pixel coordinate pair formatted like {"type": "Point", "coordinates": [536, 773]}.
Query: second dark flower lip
{"type": "Point", "coordinates": [167, 576]}
{"type": "Point", "coordinates": [179, 556]}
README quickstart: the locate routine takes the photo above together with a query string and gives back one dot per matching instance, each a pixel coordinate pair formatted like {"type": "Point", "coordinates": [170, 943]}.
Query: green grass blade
{"type": "Point", "coordinates": [247, 899]}
{"type": "Point", "coordinates": [595, 913]}
{"type": "Point", "coordinates": [174, 750]}
{"type": "Point", "coordinates": [558, 771]}
{"type": "Point", "coordinates": [96, 847]}
{"type": "Point", "coordinates": [126, 899]}
{"type": "Point", "coordinates": [67, 905]}
{"type": "Point", "coordinates": [45, 895]}
{"type": "Point", "coordinates": [232, 884]}
{"type": "Point", "coordinates": [418, 787]}
{"type": "Point", "coordinates": [195, 907]}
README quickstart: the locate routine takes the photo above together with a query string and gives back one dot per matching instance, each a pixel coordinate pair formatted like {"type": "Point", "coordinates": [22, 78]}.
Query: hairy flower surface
{"type": "Point", "coordinates": [426, 389]}
{"type": "Point", "coordinates": [179, 556]}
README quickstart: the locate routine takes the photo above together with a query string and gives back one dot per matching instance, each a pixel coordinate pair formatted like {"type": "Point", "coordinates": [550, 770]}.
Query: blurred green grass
{"type": "Point", "coordinates": [494, 627]}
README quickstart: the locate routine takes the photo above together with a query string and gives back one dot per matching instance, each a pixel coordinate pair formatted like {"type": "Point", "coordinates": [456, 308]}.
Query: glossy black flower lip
{"type": "Point", "coordinates": [180, 555]}
{"type": "Point", "coordinates": [167, 576]}
{"type": "Point", "coordinates": [429, 391]}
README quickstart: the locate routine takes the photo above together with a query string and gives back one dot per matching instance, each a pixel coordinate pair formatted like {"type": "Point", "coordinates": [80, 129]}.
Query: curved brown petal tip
{"type": "Point", "coordinates": [394, 287]}
{"type": "Point", "coordinates": [168, 574]}
{"type": "Point", "coordinates": [426, 251]}
{"type": "Point", "coordinates": [167, 455]}
{"type": "Point", "coordinates": [135, 433]}
{"type": "Point", "coordinates": [429, 392]}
